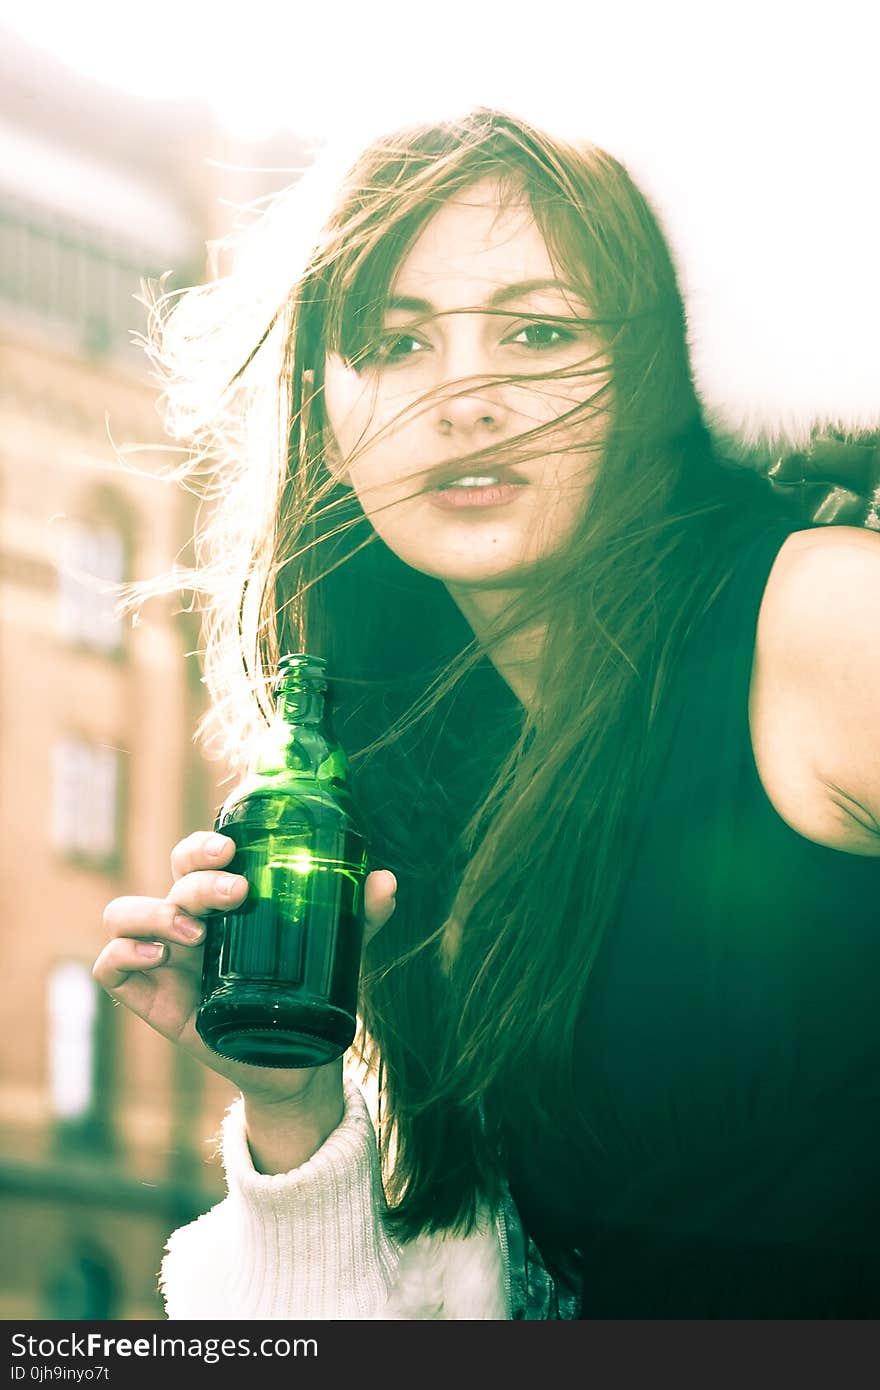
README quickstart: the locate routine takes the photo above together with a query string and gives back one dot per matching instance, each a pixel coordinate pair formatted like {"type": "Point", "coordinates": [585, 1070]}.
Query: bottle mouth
{"type": "Point", "coordinates": [296, 668]}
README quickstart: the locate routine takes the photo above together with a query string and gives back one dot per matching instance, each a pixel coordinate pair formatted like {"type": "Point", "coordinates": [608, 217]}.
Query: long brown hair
{"type": "Point", "coordinates": [508, 829]}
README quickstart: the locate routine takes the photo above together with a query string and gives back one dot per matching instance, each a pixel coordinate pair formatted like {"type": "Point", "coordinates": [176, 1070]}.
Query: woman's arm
{"type": "Point", "coordinates": [311, 1243]}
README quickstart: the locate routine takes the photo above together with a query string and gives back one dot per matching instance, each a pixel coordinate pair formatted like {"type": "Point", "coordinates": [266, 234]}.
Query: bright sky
{"type": "Point", "coordinates": [319, 67]}
{"type": "Point", "coordinates": [753, 125]}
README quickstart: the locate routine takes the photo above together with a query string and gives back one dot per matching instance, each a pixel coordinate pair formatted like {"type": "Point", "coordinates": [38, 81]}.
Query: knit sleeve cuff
{"type": "Point", "coordinates": [311, 1241]}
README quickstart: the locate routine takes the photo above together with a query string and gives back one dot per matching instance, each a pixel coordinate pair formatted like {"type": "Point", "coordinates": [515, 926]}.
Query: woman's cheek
{"type": "Point", "coordinates": [376, 479]}
{"type": "Point", "coordinates": [389, 458]}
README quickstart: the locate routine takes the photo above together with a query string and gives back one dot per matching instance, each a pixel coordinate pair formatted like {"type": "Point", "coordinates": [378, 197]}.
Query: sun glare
{"type": "Point", "coordinates": [630, 73]}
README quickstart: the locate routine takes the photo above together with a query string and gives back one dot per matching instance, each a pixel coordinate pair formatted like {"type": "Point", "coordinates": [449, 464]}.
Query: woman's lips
{"type": "Point", "coordinates": [457, 498]}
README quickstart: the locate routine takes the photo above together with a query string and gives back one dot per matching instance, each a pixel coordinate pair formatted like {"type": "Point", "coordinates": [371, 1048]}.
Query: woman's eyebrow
{"type": "Point", "coordinates": [408, 304]}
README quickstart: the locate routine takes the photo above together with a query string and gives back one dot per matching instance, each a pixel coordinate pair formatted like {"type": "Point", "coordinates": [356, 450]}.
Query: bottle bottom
{"type": "Point", "coordinates": [307, 1036]}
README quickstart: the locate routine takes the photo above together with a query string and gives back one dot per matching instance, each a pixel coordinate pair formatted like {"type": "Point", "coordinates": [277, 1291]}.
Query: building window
{"type": "Point", "coordinates": [85, 800]}
{"type": "Point", "coordinates": [91, 565]}
{"type": "Point", "coordinates": [73, 1015]}
{"type": "Point", "coordinates": [78, 1087]}
{"type": "Point", "coordinates": [51, 267]}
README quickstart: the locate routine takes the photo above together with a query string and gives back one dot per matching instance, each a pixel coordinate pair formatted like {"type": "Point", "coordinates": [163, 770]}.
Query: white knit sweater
{"type": "Point", "coordinates": [310, 1243]}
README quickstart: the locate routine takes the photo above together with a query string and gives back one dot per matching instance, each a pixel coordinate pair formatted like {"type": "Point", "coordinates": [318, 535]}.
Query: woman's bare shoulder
{"type": "Point", "coordinates": [816, 683]}
{"type": "Point", "coordinates": [823, 595]}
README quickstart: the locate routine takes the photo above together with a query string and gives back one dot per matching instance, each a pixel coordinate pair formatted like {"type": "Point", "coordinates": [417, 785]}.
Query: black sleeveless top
{"type": "Point", "coordinates": [726, 1163]}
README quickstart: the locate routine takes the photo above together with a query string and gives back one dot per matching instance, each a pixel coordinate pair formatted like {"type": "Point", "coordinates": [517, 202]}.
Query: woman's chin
{"type": "Point", "coordinates": [492, 573]}
{"type": "Point", "coordinates": [491, 560]}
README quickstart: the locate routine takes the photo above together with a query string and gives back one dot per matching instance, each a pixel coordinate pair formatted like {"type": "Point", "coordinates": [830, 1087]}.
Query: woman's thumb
{"type": "Point", "coordinates": [379, 900]}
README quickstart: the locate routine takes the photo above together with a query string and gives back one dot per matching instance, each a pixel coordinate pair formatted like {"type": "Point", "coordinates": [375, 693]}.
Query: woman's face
{"type": "Point", "coordinates": [464, 332]}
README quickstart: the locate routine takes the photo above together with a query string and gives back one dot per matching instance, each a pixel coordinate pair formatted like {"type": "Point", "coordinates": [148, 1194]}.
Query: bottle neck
{"type": "Point", "coordinates": [299, 742]}
{"type": "Point", "coordinates": [300, 705]}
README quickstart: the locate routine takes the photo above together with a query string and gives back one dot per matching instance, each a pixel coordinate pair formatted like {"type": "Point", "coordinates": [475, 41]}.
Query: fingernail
{"type": "Point", "coordinates": [188, 929]}
{"type": "Point", "coordinates": [150, 950]}
{"type": "Point", "coordinates": [231, 884]}
{"type": "Point", "coordinates": [216, 844]}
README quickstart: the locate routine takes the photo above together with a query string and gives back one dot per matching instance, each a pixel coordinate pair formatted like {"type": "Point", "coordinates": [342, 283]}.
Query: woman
{"type": "Point", "coordinates": [610, 711]}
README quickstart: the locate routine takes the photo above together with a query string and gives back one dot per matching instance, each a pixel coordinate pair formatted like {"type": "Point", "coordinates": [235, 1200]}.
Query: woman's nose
{"type": "Point", "coordinates": [467, 407]}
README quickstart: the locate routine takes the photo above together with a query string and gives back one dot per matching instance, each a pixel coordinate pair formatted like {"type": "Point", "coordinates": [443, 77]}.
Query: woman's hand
{"type": "Point", "coordinates": [153, 963]}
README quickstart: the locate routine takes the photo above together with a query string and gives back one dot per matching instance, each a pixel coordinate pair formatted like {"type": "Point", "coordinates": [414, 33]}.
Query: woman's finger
{"type": "Point", "coordinates": [124, 956]}
{"type": "Point", "coordinates": [203, 849]}
{"type": "Point", "coordinates": [203, 892]}
{"type": "Point", "coordinates": [152, 918]}
{"type": "Point", "coordinates": [135, 976]}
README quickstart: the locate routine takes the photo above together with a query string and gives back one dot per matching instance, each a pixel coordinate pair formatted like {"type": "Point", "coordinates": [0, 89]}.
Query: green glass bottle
{"type": "Point", "coordinates": [280, 974]}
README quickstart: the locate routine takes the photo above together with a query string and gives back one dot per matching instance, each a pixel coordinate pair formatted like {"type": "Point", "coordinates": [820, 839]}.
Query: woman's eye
{"type": "Point", "coordinates": [397, 347]}
{"type": "Point", "coordinates": [541, 335]}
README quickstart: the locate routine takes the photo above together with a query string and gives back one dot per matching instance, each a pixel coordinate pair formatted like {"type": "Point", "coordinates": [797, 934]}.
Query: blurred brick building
{"type": "Point", "coordinates": [105, 1130]}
